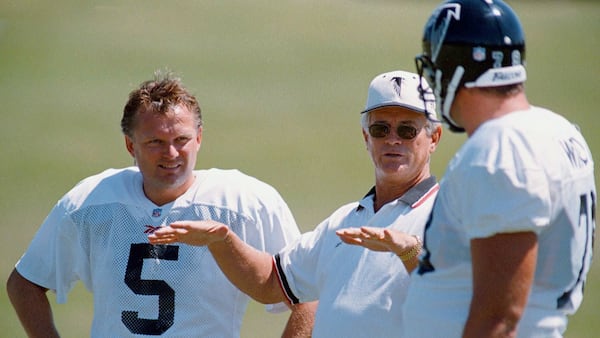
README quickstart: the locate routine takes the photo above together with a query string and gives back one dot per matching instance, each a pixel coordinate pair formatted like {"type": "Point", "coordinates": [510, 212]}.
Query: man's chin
{"type": "Point", "coordinates": [170, 181]}
{"type": "Point", "coordinates": [392, 168]}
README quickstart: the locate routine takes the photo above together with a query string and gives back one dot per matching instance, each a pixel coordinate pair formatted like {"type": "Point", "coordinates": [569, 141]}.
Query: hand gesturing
{"type": "Point", "coordinates": [197, 233]}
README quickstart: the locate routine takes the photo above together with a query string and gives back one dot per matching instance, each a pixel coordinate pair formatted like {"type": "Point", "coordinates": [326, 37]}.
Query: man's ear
{"type": "Point", "coordinates": [366, 138]}
{"type": "Point", "coordinates": [435, 138]}
{"type": "Point", "coordinates": [199, 136]}
{"type": "Point", "coordinates": [129, 145]}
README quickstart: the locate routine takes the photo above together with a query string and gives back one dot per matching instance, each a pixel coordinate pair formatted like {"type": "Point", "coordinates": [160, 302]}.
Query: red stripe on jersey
{"type": "Point", "coordinates": [426, 195]}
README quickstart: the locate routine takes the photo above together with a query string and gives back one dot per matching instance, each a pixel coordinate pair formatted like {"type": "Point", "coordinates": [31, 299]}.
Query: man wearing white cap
{"type": "Point", "coordinates": [360, 291]}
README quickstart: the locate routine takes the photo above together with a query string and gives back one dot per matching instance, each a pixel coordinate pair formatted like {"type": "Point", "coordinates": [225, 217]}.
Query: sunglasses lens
{"type": "Point", "coordinates": [404, 131]}
{"type": "Point", "coordinates": [379, 130]}
{"type": "Point", "coordinates": [407, 132]}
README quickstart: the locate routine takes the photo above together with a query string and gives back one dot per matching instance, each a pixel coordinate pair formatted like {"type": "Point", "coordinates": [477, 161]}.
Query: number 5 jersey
{"type": "Point", "coordinates": [97, 233]}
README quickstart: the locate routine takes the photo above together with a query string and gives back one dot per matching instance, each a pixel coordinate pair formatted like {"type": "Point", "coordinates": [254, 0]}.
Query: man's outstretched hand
{"type": "Point", "coordinates": [197, 233]}
{"type": "Point", "coordinates": [378, 239]}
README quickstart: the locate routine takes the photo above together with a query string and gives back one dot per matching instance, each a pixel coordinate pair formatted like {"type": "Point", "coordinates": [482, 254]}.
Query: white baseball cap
{"type": "Point", "coordinates": [399, 88]}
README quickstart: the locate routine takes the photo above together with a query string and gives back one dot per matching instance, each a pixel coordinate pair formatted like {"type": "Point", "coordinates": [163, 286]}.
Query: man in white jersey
{"type": "Point", "coordinates": [509, 243]}
{"type": "Point", "coordinates": [97, 233]}
{"type": "Point", "coordinates": [360, 292]}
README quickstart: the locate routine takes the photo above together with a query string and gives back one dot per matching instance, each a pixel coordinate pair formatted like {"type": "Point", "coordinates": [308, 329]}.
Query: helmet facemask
{"type": "Point", "coordinates": [443, 93]}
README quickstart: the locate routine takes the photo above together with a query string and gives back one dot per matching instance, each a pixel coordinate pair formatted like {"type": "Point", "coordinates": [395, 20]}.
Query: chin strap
{"type": "Point", "coordinates": [446, 102]}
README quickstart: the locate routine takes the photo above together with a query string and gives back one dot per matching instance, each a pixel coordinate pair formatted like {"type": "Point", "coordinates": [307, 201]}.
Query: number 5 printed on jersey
{"type": "Point", "coordinates": [166, 295]}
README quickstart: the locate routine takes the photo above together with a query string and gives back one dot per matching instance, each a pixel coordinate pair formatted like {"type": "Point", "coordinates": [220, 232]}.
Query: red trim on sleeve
{"type": "Point", "coordinates": [289, 297]}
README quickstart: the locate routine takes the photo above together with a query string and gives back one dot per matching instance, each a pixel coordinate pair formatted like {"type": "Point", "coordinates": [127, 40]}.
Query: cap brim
{"type": "Point", "coordinates": [428, 115]}
{"type": "Point", "coordinates": [407, 106]}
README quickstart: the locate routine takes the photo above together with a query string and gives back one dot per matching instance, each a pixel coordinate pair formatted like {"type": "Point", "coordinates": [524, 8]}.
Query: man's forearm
{"type": "Point", "coordinates": [248, 269]}
{"type": "Point", "coordinates": [32, 307]}
{"type": "Point", "coordinates": [301, 320]}
{"type": "Point", "coordinates": [503, 272]}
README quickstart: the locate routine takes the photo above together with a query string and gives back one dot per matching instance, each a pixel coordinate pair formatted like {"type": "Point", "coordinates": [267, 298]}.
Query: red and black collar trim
{"type": "Point", "coordinates": [416, 195]}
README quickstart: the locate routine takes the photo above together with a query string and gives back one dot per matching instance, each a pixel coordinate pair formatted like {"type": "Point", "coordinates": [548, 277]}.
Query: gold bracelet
{"type": "Point", "coordinates": [413, 252]}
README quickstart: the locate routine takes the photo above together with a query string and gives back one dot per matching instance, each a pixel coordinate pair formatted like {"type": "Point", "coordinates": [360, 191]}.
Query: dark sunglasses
{"type": "Point", "coordinates": [406, 132]}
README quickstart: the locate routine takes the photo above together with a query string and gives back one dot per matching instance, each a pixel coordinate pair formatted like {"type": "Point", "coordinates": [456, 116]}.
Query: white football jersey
{"type": "Point", "coordinates": [97, 233]}
{"type": "Point", "coordinates": [360, 291]}
{"type": "Point", "coordinates": [526, 171]}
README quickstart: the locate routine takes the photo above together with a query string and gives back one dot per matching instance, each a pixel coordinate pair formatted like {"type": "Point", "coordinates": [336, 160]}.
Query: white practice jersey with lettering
{"type": "Point", "coordinates": [526, 171]}
{"type": "Point", "coordinates": [97, 233]}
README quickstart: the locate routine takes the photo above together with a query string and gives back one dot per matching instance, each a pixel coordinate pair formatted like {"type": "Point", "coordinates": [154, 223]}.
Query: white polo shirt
{"type": "Point", "coordinates": [360, 291]}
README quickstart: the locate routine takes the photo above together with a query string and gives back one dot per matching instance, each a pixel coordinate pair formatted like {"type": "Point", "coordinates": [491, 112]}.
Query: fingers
{"type": "Point", "coordinates": [378, 239]}
{"type": "Point", "coordinates": [168, 234]}
{"type": "Point", "coordinates": [388, 235]}
{"type": "Point", "coordinates": [164, 231]}
{"type": "Point", "coordinates": [197, 233]}
{"type": "Point", "coordinates": [348, 232]}
{"type": "Point", "coordinates": [350, 236]}
{"type": "Point", "coordinates": [180, 225]}
{"type": "Point", "coordinates": [358, 235]}
{"type": "Point", "coordinates": [162, 239]}
{"type": "Point", "coordinates": [373, 233]}
{"type": "Point", "coordinates": [351, 240]}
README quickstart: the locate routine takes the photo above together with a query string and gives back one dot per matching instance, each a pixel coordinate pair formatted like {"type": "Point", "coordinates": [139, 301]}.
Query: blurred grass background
{"type": "Point", "coordinates": [281, 84]}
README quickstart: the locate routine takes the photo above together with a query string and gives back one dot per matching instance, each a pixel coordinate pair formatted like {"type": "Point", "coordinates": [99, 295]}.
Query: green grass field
{"type": "Point", "coordinates": [281, 84]}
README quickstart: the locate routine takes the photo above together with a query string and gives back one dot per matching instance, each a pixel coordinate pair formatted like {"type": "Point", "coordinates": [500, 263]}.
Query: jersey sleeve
{"type": "Point", "coordinates": [507, 189]}
{"type": "Point", "coordinates": [297, 266]}
{"type": "Point", "coordinates": [54, 259]}
{"type": "Point", "coordinates": [279, 229]}
{"type": "Point", "coordinates": [279, 225]}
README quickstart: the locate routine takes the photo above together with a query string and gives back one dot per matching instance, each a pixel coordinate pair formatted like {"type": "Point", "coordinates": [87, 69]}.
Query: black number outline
{"type": "Point", "coordinates": [425, 265]}
{"type": "Point", "coordinates": [564, 301]}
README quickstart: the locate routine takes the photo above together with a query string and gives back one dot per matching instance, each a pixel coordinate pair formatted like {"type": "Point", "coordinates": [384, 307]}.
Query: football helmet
{"type": "Point", "coordinates": [470, 43]}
